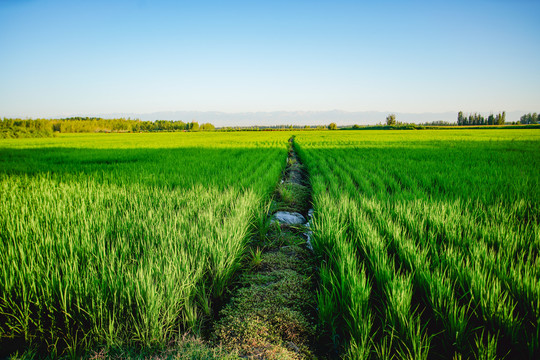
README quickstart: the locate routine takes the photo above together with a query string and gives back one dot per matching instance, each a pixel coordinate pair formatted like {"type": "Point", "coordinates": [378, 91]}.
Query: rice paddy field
{"type": "Point", "coordinates": [125, 239]}
{"type": "Point", "coordinates": [427, 241]}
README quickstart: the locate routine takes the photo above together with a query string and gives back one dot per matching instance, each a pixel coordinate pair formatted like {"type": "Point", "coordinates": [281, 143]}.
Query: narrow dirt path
{"type": "Point", "coordinates": [272, 313]}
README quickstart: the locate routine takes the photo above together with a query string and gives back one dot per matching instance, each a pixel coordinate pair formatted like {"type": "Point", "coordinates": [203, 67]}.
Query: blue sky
{"type": "Point", "coordinates": [60, 58]}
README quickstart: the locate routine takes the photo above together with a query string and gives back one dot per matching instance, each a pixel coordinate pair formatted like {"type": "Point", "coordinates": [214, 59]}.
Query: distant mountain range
{"type": "Point", "coordinates": [341, 118]}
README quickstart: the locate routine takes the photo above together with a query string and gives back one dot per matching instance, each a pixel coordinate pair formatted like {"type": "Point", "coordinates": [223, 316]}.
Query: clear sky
{"type": "Point", "coordinates": [62, 58]}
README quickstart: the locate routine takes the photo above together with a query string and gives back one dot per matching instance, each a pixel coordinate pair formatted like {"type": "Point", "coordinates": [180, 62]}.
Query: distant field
{"type": "Point", "coordinates": [429, 241]}
{"type": "Point", "coordinates": [125, 239]}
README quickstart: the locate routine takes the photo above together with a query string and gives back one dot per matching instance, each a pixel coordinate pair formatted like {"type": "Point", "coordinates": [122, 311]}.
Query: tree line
{"type": "Point", "coordinates": [478, 119]}
{"type": "Point", "coordinates": [462, 120]}
{"type": "Point", "coordinates": [14, 128]}
{"type": "Point", "coordinates": [529, 119]}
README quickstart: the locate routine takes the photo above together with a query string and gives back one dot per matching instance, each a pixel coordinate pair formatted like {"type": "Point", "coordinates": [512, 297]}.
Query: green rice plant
{"type": "Point", "coordinates": [263, 222]}
{"type": "Point", "coordinates": [256, 258]}
{"type": "Point", "coordinates": [416, 343]}
{"type": "Point", "coordinates": [487, 349]}
{"type": "Point", "coordinates": [385, 348]}
{"type": "Point", "coordinates": [328, 303]}
{"type": "Point", "coordinates": [398, 306]}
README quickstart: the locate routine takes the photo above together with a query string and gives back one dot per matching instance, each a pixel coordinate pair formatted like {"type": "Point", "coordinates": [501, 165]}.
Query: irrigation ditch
{"type": "Point", "coordinates": [271, 313]}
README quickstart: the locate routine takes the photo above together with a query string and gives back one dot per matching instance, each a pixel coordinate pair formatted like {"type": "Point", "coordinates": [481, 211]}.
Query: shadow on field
{"type": "Point", "coordinates": [171, 168]}
{"type": "Point", "coordinates": [462, 170]}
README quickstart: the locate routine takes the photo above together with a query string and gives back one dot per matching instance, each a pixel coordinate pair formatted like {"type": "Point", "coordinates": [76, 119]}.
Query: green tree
{"type": "Point", "coordinates": [391, 120]}
{"type": "Point", "coordinates": [207, 127]}
{"type": "Point", "coordinates": [529, 119]}
{"type": "Point", "coordinates": [332, 126]}
{"type": "Point", "coordinates": [499, 119]}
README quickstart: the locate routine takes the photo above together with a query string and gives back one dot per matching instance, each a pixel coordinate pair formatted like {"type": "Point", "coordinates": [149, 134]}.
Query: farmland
{"type": "Point", "coordinates": [125, 239]}
{"type": "Point", "coordinates": [427, 242]}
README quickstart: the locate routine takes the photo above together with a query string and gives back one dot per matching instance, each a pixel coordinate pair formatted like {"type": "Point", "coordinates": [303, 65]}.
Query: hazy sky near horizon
{"type": "Point", "coordinates": [62, 58]}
